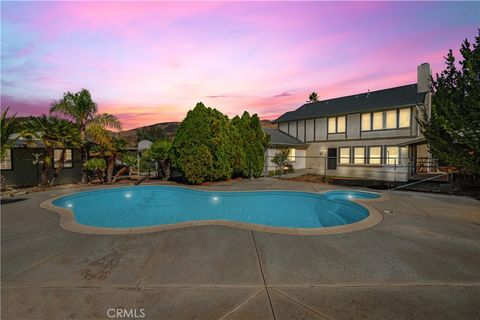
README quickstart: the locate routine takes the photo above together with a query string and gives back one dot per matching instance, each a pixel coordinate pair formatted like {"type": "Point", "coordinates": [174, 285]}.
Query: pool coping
{"type": "Point", "coordinates": [67, 219]}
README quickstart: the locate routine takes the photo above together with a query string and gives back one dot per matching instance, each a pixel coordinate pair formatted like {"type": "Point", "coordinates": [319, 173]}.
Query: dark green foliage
{"type": "Point", "coordinates": [7, 127]}
{"type": "Point", "coordinates": [452, 129]}
{"type": "Point", "coordinates": [159, 152]}
{"type": "Point", "coordinates": [55, 133]}
{"type": "Point", "coordinates": [156, 132]}
{"type": "Point", "coordinates": [97, 166]}
{"type": "Point", "coordinates": [253, 143]}
{"type": "Point", "coordinates": [209, 147]}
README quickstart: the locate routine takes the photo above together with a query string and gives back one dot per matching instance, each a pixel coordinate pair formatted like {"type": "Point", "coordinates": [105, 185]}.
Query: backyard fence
{"type": "Point", "coordinates": [392, 170]}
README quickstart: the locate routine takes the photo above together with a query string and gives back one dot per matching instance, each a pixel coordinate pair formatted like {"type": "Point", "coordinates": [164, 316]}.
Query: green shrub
{"type": "Point", "coordinates": [209, 147]}
{"type": "Point", "coordinates": [253, 142]}
{"type": "Point", "coordinates": [97, 166]}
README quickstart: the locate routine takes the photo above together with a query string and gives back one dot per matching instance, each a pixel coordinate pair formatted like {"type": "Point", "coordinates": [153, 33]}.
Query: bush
{"type": "Point", "coordinates": [209, 147]}
{"type": "Point", "coordinates": [97, 166]}
{"type": "Point", "coordinates": [253, 142]}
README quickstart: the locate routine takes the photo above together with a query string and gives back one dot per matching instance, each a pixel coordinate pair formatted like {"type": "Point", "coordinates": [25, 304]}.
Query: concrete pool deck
{"type": "Point", "coordinates": [421, 262]}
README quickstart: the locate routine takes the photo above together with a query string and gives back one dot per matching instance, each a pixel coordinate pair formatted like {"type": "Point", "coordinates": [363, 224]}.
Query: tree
{"type": "Point", "coordinates": [200, 146]}
{"type": "Point", "coordinates": [252, 141]}
{"type": "Point", "coordinates": [82, 110]}
{"type": "Point", "coordinates": [281, 158]}
{"type": "Point", "coordinates": [210, 147]}
{"type": "Point", "coordinates": [313, 97]}
{"type": "Point", "coordinates": [7, 128]}
{"type": "Point", "coordinates": [159, 152]}
{"type": "Point", "coordinates": [97, 166]}
{"type": "Point", "coordinates": [452, 126]}
{"type": "Point", "coordinates": [131, 161]}
{"type": "Point", "coordinates": [111, 149]}
{"type": "Point", "coordinates": [55, 133]}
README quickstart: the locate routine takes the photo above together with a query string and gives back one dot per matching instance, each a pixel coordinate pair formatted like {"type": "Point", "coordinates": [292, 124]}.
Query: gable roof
{"type": "Point", "coordinates": [282, 139]}
{"type": "Point", "coordinates": [368, 101]}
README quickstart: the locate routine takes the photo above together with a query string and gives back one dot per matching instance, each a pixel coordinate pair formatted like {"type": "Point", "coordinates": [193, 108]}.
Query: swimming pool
{"type": "Point", "coordinates": [148, 206]}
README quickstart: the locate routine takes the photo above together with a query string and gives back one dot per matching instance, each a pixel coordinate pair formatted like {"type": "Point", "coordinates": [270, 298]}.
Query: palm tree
{"type": "Point", "coordinates": [54, 133]}
{"type": "Point", "coordinates": [131, 161]}
{"type": "Point", "coordinates": [97, 166]}
{"type": "Point", "coordinates": [6, 130]}
{"type": "Point", "coordinates": [313, 97]}
{"type": "Point", "coordinates": [159, 151]}
{"type": "Point", "coordinates": [82, 110]}
{"type": "Point", "coordinates": [112, 149]}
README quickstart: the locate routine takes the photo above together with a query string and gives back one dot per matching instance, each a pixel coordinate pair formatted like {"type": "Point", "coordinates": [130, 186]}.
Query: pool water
{"type": "Point", "coordinates": [162, 205]}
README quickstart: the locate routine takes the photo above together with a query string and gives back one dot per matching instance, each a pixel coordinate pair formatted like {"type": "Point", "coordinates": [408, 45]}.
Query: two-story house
{"type": "Point", "coordinates": [369, 135]}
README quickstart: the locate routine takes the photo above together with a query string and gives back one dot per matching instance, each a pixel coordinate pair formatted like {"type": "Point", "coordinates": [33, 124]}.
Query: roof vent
{"type": "Point", "coordinates": [368, 93]}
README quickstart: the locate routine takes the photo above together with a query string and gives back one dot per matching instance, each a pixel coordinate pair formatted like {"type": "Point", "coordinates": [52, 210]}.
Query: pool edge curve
{"type": "Point", "coordinates": [67, 221]}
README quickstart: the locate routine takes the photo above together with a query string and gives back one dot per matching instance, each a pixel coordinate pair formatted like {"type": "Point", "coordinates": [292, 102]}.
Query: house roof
{"type": "Point", "coordinates": [282, 139]}
{"type": "Point", "coordinates": [362, 102]}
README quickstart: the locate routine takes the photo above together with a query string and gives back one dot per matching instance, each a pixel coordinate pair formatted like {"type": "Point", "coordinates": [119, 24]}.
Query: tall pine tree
{"type": "Point", "coordinates": [452, 127]}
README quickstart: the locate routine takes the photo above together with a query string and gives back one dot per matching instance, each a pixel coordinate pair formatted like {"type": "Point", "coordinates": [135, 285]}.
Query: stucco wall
{"type": "Point", "coordinates": [317, 153]}
{"type": "Point", "coordinates": [299, 163]}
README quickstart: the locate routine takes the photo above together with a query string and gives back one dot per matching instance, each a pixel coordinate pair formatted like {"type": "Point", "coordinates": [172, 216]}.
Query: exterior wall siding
{"type": "Point", "coordinates": [353, 126]}
{"type": "Point", "coordinates": [283, 127]}
{"type": "Point", "coordinates": [310, 130]}
{"type": "Point", "coordinates": [299, 163]}
{"type": "Point", "coordinates": [317, 153]}
{"type": "Point", "coordinates": [24, 173]}
{"type": "Point", "coordinates": [292, 128]}
{"type": "Point", "coordinates": [301, 130]}
{"type": "Point", "coordinates": [320, 129]}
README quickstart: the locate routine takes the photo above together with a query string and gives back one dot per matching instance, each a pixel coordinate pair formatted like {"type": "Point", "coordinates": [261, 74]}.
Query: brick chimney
{"type": "Point", "coordinates": [423, 78]}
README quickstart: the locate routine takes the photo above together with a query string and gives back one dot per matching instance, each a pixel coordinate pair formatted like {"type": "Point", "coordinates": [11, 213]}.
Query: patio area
{"type": "Point", "coordinates": [421, 262]}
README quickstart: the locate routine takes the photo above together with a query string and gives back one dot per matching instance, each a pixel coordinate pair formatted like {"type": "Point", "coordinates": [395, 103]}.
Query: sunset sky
{"type": "Point", "coordinates": [150, 62]}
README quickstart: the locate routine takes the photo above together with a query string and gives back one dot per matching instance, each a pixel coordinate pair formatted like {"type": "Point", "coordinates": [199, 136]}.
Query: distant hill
{"type": "Point", "coordinates": [267, 124]}
{"type": "Point", "coordinates": [163, 130]}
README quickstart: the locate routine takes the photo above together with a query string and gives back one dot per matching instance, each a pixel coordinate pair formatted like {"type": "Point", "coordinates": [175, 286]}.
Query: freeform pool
{"type": "Point", "coordinates": [149, 206]}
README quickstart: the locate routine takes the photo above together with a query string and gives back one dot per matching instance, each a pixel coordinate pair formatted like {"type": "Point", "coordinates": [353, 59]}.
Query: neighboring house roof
{"type": "Point", "coordinates": [362, 102]}
{"type": "Point", "coordinates": [282, 139]}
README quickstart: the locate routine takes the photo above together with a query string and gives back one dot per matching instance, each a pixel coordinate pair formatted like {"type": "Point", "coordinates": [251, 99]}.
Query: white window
{"type": "Point", "coordinates": [337, 124]}
{"type": "Point", "coordinates": [366, 121]}
{"type": "Point", "coordinates": [57, 156]}
{"type": "Point", "coordinates": [6, 163]}
{"type": "Point", "coordinates": [345, 155]}
{"type": "Point", "coordinates": [359, 155]}
{"type": "Point", "coordinates": [375, 155]}
{"type": "Point", "coordinates": [332, 125]}
{"type": "Point", "coordinates": [341, 124]}
{"type": "Point", "coordinates": [404, 118]}
{"type": "Point", "coordinates": [391, 119]}
{"type": "Point", "coordinates": [291, 155]}
{"type": "Point", "coordinates": [393, 156]}
{"type": "Point", "coordinates": [377, 120]}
